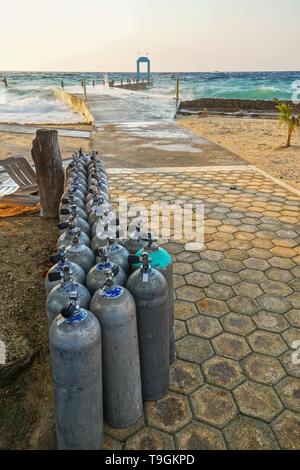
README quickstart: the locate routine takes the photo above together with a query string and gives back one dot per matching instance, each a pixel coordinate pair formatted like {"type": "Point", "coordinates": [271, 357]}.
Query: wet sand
{"type": "Point", "coordinates": [259, 141]}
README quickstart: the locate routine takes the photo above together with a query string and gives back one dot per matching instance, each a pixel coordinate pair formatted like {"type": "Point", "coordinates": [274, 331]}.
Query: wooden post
{"type": "Point", "coordinates": [49, 171]}
{"type": "Point", "coordinates": [62, 84]}
{"type": "Point", "coordinates": [177, 92]}
{"type": "Point", "coordinates": [93, 83]}
{"type": "Point", "coordinates": [84, 89]}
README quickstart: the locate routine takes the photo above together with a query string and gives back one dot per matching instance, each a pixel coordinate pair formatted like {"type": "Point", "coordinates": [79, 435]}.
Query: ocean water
{"type": "Point", "coordinates": [29, 96]}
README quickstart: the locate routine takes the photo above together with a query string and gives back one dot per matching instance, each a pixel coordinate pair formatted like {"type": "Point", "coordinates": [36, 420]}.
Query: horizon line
{"type": "Point", "coordinates": [160, 72]}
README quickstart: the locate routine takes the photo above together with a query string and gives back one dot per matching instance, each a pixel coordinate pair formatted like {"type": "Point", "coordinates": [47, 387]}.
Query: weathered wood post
{"type": "Point", "coordinates": [49, 171]}
{"type": "Point", "coordinates": [94, 83]}
{"type": "Point", "coordinates": [177, 92]}
{"type": "Point", "coordinates": [84, 89]}
{"type": "Point", "coordinates": [62, 84]}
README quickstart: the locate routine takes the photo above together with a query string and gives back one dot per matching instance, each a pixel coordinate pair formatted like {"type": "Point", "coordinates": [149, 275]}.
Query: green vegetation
{"type": "Point", "coordinates": [287, 119]}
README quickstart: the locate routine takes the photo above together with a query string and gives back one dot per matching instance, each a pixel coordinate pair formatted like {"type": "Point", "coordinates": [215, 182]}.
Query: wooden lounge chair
{"type": "Point", "coordinates": [21, 187]}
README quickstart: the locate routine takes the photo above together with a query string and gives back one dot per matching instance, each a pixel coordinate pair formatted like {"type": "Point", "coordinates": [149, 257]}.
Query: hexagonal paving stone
{"type": "Point", "coordinates": [185, 377]}
{"type": "Point", "coordinates": [204, 326]}
{"type": "Point", "coordinates": [289, 393]}
{"type": "Point", "coordinates": [295, 285]}
{"type": "Point", "coordinates": [226, 278]}
{"type": "Point", "coordinates": [169, 414]}
{"type": "Point", "coordinates": [293, 317]}
{"type": "Point", "coordinates": [212, 256]}
{"type": "Point", "coordinates": [257, 264]}
{"type": "Point", "coordinates": [276, 288]}
{"type": "Point", "coordinates": [283, 252]}
{"type": "Point", "coordinates": [294, 299]}
{"type": "Point", "coordinates": [180, 329]}
{"type": "Point", "coordinates": [247, 289]}
{"type": "Point", "coordinates": [231, 265]}
{"type": "Point", "coordinates": [150, 439]}
{"type": "Point", "coordinates": [194, 349]}
{"type": "Point", "coordinates": [223, 372]}
{"type": "Point", "coordinates": [219, 292]}
{"type": "Point", "coordinates": [287, 430]}
{"type": "Point", "coordinates": [111, 444]}
{"type": "Point", "coordinates": [260, 253]}
{"type": "Point", "coordinates": [277, 274]}
{"type": "Point", "coordinates": [190, 293]}
{"type": "Point", "coordinates": [213, 405]}
{"type": "Point", "coordinates": [182, 268]}
{"type": "Point", "coordinates": [236, 254]}
{"type": "Point", "coordinates": [253, 275]}
{"type": "Point", "coordinates": [258, 401]}
{"type": "Point", "coordinates": [274, 304]}
{"type": "Point", "coordinates": [232, 346]}
{"type": "Point", "coordinates": [271, 322]}
{"type": "Point", "coordinates": [237, 324]}
{"type": "Point", "coordinates": [249, 434]}
{"type": "Point", "coordinates": [282, 263]}
{"type": "Point", "coordinates": [287, 362]}
{"type": "Point", "coordinates": [267, 343]}
{"type": "Point", "coordinates": [179, 281]}
{"type": "Point", "coordinates": [263, 369]}
{"type": "Point", "coordinates": [207, 267]}
{"type": "Point", "coordinates": [243, 305]}
{"type": "Point", "coordinates": [198, 436]}
{"type": "Point", "coordinates": [184, 310]}
{"type": "Point", "coordinates": [121, 434]}
{"type": "Point", "coordinates": [199, 279]}
{"type": "Point", "coordinates": [188, 257]}
{"type": "Point", "coordinates": [212, 307]}
{"type": "Point", "coordinates": [291, 335]}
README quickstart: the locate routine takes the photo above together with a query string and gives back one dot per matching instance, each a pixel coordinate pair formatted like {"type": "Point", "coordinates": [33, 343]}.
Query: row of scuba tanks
{"type": "Point", "coordinates": [110, 311]}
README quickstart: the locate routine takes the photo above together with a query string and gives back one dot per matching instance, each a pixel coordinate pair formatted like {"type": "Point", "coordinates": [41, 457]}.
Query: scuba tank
{"type": "Point", "coordinates": [78, 177]}
{"type": "Point", "coordinates": [99, 205]}
{"type": "Point", "coordinates": [59, 295]}
{"type": "Point", "coordinates": [72, 209]}
{"type": "Point", "coordinates": [114, 307]}
{"type": "Point", "coordinates": [98, 179]}
{"type": "Point", "coordinates": [150, 291]}
{"type": "Point", "coordinates": [75, 346]}
{"type": "Point", "coordinates": [94, 196]}
{"type": "Point", "coordinates": [117, 255]}
{"type": "Point", "coordinates": [71, 200]}
{"type": "Point", "coordinates": [80, 254]}
{"type": "Point", "coordinates": [82, 157]}
{"type": "Point", "coordinates": [82, 224]}
{"type": "Point", "coordinates": [162, 261]}
{"type": "Point", "coordinates": [135, 240]}
{"type": "Point", "coordinates": [76, 166]}
{"type": "Point", "coordinates": [108, 231]}
{"type": "Point", "coordinates": [66, 238]}
{"type": "Point", "coordinates": [74, 191]}
{"type": "Point", "coordinates": [61, 263]}
{"type": "Point", "coordinates": [95, 161]}
{"type": "Point", "coordinates": [79, 186]}
{"type": "Point", "coordinates": [101, 215]}
{"type": "Point", "coordinates": [96, 276]}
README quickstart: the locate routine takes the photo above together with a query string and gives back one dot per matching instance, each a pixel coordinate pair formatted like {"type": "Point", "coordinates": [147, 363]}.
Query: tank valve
{"type": "Point", "coordinates": [72, 308]}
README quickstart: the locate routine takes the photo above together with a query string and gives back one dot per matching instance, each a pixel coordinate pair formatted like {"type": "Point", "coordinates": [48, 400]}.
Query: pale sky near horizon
{"type": "Point", "coordinates": [179, 35]}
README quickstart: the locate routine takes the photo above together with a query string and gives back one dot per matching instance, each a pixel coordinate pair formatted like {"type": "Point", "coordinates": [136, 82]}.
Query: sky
{"type": "Point", "coordinates": [179, 35]}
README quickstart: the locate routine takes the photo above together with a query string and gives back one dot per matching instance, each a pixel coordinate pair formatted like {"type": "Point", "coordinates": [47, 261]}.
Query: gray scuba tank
{"type": "Point", "coordinates": [80, 254]}
{"type": "Point", "coordinates": [94, 197]}
{"type": "Point", "coordinates": [75, 346]}
{"type": "Point", "coordinates": [150, 291]}
{"type": "Point", "coordinates": [75, 182]}
{"type": "Point", "coordinates": [74, 191]}
{"type": "Point", "coordinates": [101, 215]}
{"type": "Point", "coordinates": [66, 238]}
{"type": "Point", "coordinates": [71, 200]}
{"type": "Point", "coordinates": [82, 224]}
{"type": "Point", "coordinates": [60, 263]}
{"type": "Point", "coordinates": [59, 295]}
{"type": "Point", "coordinates": [114, 307]}
{"type": "Point", "coordinates": [161, 260]}
{"type": "Point", "coordinates": [75, 176]}
{"type": "Point", "coordinates": [118, 254]}
{"type": "Point", "coordinates": [72, 209]}
{"type": "Point", "coordinates": [96, 276]}
{"type": "Point", "coordinates": [107, 231]}
{"type": "Point", "coordinates": [135, 240]}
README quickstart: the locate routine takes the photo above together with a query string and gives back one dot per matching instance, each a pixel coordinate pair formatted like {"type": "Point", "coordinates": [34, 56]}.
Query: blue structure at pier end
{"type": "Point", "coordinates": [140, 61]}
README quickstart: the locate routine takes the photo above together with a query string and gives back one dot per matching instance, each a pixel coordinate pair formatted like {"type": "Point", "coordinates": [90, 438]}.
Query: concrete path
{"type": "Point", "coordinates": [236, 381]}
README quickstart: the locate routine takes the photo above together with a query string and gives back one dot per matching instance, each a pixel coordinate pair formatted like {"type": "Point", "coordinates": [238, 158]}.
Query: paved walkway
{"type": "Point", "coordinates": [237, 308]}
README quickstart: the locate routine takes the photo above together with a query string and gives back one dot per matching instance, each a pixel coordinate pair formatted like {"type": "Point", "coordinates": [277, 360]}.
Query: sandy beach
{"type": "Point", "coordinates": [259, 141]}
